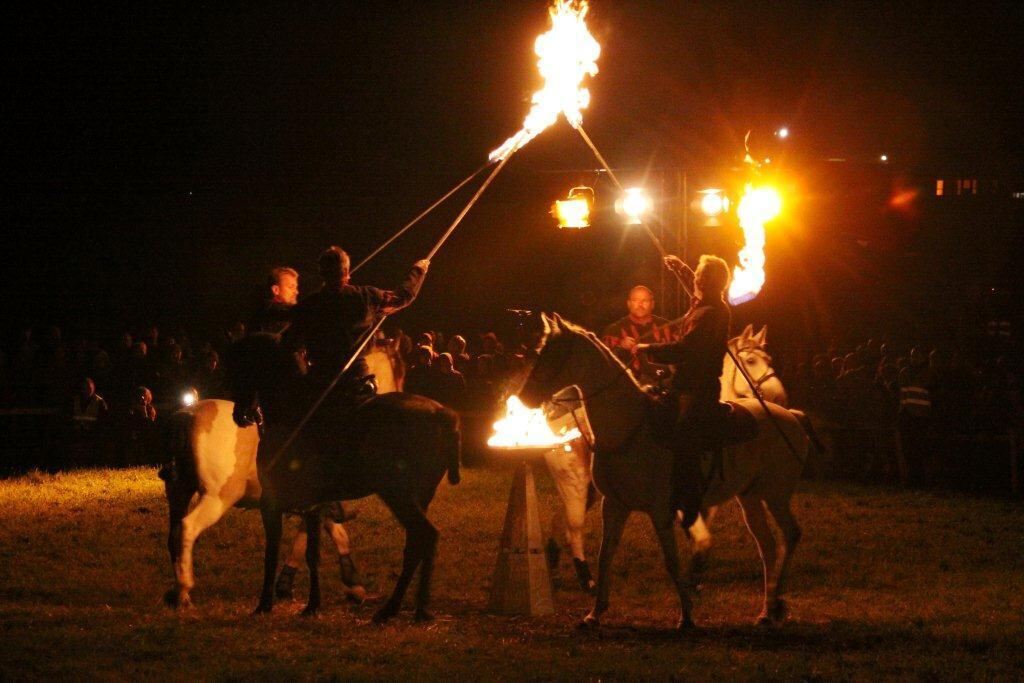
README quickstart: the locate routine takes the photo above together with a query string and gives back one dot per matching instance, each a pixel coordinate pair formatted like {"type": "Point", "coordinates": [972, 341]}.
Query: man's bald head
{"type": "Point", "coordinates": [640, 304]}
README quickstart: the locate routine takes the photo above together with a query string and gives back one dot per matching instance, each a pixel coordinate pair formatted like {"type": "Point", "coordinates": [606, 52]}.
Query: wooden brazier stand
{"type": "Point", "coordinates": [522, 583]}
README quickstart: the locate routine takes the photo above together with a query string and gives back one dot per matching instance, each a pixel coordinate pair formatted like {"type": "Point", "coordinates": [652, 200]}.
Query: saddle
{"type": "Point", "coordinates": [729, 425]}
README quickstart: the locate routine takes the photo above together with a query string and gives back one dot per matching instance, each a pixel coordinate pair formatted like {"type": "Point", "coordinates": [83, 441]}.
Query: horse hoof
{"type": "Point", "coordinates": [310, 611]}
{"type": "Point", "coordinates": [355, 594]}
{"type": "Point", "coordinates": [171, 598]}
{"type": "Point", "coordinates": [177, 599]}
{"type": "Point", "coordinates": [383, 614]}
{"type": "Point", "coordinates": [263, 608]}
{"type": "Point", "coordinates": [589, 623]}
{"type": "Point", "coordinates": [778, 612]}
{"type": "Point", "coordinates": [686, 625]}
{"type": "Point", "coordinates": [423, 616]}
{"type": "Point", "coordinates": [764, 621]}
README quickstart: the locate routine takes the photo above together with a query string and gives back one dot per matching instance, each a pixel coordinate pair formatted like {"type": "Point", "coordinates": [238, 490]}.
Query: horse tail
{"type": "Point", "coordinates": [808, 427]}
{"type": "Point", "coordinates": [179, 468]}
{"type": "Point", "coordinates": [451, 442]}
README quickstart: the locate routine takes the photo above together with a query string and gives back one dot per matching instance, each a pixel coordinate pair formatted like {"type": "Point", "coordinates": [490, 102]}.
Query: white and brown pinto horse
{"type": "Point", "coordinates": [570, 468]}
{"type": "Point", "coordinates": [632, 467]}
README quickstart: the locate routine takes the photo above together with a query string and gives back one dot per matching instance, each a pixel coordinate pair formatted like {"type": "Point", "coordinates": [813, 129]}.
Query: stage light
{"type": "Point", "coordinates": [782, 133]}
{"type": "Point", "coordinates": [634, 204]}
{"type": "Point", "coordinates": [713, 202]}
{"type": "Point", "coordinates": [574, 212]}
{"type": "Point", "coordinates": [884, 158]}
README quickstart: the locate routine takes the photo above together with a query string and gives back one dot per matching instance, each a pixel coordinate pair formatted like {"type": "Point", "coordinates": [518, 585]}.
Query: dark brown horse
{"type": "Point", "coordinates": [396, 446]}
{"type": "Point", "coordinates": [632, 467]}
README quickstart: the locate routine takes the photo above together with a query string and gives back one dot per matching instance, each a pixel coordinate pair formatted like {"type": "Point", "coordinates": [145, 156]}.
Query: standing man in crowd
{"type": "Point", "coordinates": [640, 326]}
{"type": "Point", "coordinates": [697, 360]}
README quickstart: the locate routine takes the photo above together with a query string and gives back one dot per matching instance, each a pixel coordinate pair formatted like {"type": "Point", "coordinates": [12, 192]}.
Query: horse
{"type": "Point", "coordinates": [632, 467]}
{"type": "Point", "coordinates": [210, 455]}
{"type": "Point", "coordinates": [570, 468]}
{"type": "Point", "coordinates": [398, 446]}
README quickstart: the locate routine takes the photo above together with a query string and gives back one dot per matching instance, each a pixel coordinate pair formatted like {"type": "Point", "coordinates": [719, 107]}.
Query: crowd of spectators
{"type": "Point", "coordinates": [911, 414]}
{"type": "Point", "coordinates": [915, 414]}
{"type": "Point", "coordinates": [77, 401]}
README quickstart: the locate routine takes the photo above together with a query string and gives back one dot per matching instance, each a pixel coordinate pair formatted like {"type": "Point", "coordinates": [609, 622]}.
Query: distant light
{"type": "Point", "coordinates": [767, 160]}
{"type": "Point", "coordinates": [782, 133]}
{"type": "Point", "coordinates": [633, 205]}
{"type": "Point", "coordinates": [884, 158]}
{"type": "Point", "coordinates": [189, 398]}
{"type": "Point", "coordinates": [713, 202]}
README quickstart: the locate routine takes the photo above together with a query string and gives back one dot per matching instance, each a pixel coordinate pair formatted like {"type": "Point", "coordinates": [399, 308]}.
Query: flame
{"type": "Point", "coordinates": [523, 427]}
{"type": "Point", "coordinates": [757, 207]}
{"type": "Point", "coordinates": [567, 54]}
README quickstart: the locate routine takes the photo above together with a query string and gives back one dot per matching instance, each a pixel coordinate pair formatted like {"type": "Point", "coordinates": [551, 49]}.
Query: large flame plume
{"type": "Point", "coordinates": [525, 428]}
{"type": "Point", "coordinates": [757, 207]}
{"type": "Point", "coordinates": [567, 54]}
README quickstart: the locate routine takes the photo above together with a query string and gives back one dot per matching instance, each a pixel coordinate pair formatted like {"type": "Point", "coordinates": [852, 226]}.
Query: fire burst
{"type": "Point", "coordinates": [567, 54]}
{"type": "Point", "coordinates": [757, 207]}
{"type": "Point", "coordinates": [525, 428]}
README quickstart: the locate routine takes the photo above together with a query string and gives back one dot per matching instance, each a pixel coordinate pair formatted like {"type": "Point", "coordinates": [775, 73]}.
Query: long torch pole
{"type": "Point", "coordinates": [365, 339]}
{"type": "Point", "coordinates": [420, 217]}
{"type": "Point", "coordinates": [689, 292]}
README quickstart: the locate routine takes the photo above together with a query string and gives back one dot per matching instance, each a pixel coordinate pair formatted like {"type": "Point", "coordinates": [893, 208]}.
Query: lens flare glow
{"type": "Point", "coordinates": [567, 53]}
{"type": "Point", "coordinates": [634, 204]}
{"type": "Point", "coordinates": [572, 213]}
{"type": "Point", "coordinates": [522, 427]}
{"type": "Point", "coordinates": [757, 207]}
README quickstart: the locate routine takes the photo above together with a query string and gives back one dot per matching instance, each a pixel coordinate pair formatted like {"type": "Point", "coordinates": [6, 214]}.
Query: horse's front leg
{"type": "Point", "coordinates": [663, 529]}
{"type": "Point", "coordinates": [700, 534]}
{"type": "Point", "coordinates": [614, 516]}
{"type": "Point", "coordinates": [272, 535]}
{"type": "Point", "coordinates": [311, 521]}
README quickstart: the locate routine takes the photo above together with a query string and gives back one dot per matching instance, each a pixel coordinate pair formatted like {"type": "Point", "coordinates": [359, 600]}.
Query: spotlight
{"type": "Point", "coordinates": [634, 204]}
{"type": "Point", "coordinates": [713, 202]}
{"type": "Point", "coordinates": [782, 133]}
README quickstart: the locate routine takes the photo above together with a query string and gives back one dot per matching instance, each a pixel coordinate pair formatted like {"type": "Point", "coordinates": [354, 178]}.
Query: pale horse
{"type": "Point", "coordinates": [570, 465]}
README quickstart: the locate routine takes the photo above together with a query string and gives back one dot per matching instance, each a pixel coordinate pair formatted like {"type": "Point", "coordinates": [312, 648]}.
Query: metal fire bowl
{"type": "Point", "coordinates": [522, 452]}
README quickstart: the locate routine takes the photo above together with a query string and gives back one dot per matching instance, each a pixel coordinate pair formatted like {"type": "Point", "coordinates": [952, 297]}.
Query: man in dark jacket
{"type": "Point", "coordinates": [697, 358]}
{"type": "Point", "coordinates": [274, 315]}
{"type": "Point", "coordinates": [331, 322]}
{"type": "Point", "coordinates": [641, 325]}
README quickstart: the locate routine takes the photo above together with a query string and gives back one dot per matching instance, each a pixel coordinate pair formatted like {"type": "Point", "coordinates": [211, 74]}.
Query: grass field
{"type": "Point", "coordinates": [886, 584]}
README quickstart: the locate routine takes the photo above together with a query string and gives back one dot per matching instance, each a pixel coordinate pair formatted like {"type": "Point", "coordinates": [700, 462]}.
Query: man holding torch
{"type": "Point", "coordinates": [697, 358]}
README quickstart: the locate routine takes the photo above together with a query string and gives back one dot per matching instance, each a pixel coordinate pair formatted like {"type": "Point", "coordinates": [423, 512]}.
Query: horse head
{"type": "Point", "coordinates": [749, 350]}
{"type": "Point", "coordinates": [258, 370]}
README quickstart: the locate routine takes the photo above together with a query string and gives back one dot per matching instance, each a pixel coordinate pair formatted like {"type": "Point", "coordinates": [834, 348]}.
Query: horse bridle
{"type": "Point", "coordinates": [765, 376]}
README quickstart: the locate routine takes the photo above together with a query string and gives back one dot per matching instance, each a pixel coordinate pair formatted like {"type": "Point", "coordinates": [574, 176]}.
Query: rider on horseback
{"type": "Point", "coordinates": [697, 357]}
{"type": "Point", "coordinates": [331, 322]}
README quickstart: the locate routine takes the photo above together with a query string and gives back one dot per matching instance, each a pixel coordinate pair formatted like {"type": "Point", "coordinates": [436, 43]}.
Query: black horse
{"type": "Point", "coordinates": [397, 446]}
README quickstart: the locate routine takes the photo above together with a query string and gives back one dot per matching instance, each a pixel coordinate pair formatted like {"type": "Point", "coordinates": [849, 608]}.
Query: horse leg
{"type": "Point", "coordinates": [419, 534]}
{"type": "Point", "coordinates": [757, 523]}
{"type": "Point", "coordinates": [352, 582]}
{"type": "Point", "coordinates": [701, 536]}
{"type": "Point", "coordinates": [207, 511]}
{"type": "Point", "coordinates": [791, 533]}
{"type": "Point", "coordinates": [670, 551]}
{"type": "Point", "coordinates": [272, 523]}
{"type": "Point", "coordinates": [178, 498]}
{"type": "Point", "coordinates": [311, 522]}
{"type": "Point", "coordinates": [614, 516]}
{"type": "Point", "coordinates": [572, 479]}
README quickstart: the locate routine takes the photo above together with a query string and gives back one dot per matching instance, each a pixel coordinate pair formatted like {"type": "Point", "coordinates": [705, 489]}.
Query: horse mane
{"type": "Point", "coordinates": [602, 348]}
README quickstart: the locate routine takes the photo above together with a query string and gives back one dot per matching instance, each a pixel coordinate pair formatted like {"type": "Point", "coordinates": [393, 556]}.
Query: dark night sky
{"type": "Point", "coordinates": [159, 158]}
